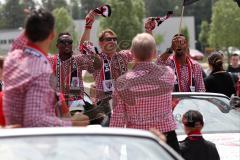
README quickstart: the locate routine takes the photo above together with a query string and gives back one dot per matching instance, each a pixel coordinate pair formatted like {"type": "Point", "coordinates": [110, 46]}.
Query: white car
{"type": "Point", "coordinates": [222, 121]}
{"type": "Point", "coordinates": [95, 143]}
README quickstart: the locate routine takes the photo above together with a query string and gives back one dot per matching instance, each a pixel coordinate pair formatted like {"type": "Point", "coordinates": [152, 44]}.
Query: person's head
{"type": "Point", "coordinates": [192, 121]}
{"type": "Point", "coordinates": [180, 45]}
{"type": "Point", "coordinates": [143, 47]}
{"type": "Point", "coordinates": [234, 60]}
{"type": "Point", "coordinates": [64, 43]}
{"type": "Point", "coordinates": [215, 61]}
{"type": "Point", "coordinates": [39, 27]}
{"type": "Point", "coordinates": [108, 41]}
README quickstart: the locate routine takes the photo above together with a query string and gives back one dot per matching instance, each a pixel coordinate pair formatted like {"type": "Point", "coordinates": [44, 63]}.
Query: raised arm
{"type": "Point", "coordinates": [90, 18]}
{"type": "Point", "coordinates": [163, 58]}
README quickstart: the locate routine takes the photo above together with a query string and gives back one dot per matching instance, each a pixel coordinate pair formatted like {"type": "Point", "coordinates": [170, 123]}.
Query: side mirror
{"type": "Point", "coordinates": [235, 102]}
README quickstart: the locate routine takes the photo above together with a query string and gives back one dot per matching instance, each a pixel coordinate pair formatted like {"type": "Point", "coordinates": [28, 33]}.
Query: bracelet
{"type": "Point", "coordinates": [88, 27]}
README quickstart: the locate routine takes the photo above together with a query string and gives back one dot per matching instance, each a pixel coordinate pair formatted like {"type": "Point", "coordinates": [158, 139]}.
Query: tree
{"type": "Point", "coordinates": [12, 15]}
{"type": "Point", "coordinates": [126, 20]}
{"type": "Point", "coordinates": [159, 7]}
{"type": "Point", "coordinates": [64, 23]}
{"type": "Point", "coordinates": [87, 5]}
{"type": "Point", "coordinates": [76, 13]}
{"type": "Point", "coordinates": [159, 39]}
{"type": "Point", "coordinates": [204, 34]}
{"type": "Point", "coordinates": [185, 32]}
{"type": "Point", "coordinates": [225, 24]}
{"type": "Point", "coordinates": [53, 4]}
{"type": "Point", "coordinates": [30, 4]}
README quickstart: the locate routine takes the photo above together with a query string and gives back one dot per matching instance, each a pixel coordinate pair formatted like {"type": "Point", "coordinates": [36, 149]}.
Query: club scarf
{"type": "Point", "coordinates": [179, 86]}
{"type": "Point", "coordinates": [106, 75]}
{"type": "Point", "coordinates": [65, 82]}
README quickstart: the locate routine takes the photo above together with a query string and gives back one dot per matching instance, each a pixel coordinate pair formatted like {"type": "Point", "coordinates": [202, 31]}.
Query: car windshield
{"type": "Point", "coordinates": [218, 115]}
{"type": "Point", "coordinates": [82, 147]}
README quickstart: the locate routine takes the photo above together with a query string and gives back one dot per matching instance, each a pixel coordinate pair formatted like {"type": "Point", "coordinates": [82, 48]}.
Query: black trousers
{"type": "Point", "coordinates": [172, 140]}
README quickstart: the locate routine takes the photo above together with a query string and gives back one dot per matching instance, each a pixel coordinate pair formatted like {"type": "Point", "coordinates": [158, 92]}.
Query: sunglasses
{"type": "Point", "coordinates": [65, 41]}
{"type": "Point", "coordinates": [108, 39]}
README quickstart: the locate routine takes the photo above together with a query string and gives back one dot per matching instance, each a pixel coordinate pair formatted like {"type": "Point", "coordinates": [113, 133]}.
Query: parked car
{"type": "Point", "coordinates": [82, 143]}
{"type": "Point", "coordinates": [222, 121]}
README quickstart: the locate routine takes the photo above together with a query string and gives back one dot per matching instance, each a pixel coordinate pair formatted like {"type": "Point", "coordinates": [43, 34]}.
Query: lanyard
{"type": "Point", "coordinates": [106, 69]}
{"type": "Point", "coordinates": [63, 81]}
{"type": "Point", "coordinates": [178, 73]}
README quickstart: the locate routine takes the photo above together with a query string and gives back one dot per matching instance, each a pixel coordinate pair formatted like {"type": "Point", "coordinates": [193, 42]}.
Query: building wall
{"type": "Point", "coordinates": [6, 39]}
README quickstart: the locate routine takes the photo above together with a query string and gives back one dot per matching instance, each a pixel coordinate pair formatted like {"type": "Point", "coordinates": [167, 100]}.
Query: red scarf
{"type": "Point", "coordinates": [194, 135]}
{"type": "Point", "coordinates": [178, 72]}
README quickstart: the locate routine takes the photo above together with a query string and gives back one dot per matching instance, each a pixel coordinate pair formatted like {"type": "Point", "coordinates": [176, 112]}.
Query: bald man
{"type": "Point", "coordinates": [142, 97]}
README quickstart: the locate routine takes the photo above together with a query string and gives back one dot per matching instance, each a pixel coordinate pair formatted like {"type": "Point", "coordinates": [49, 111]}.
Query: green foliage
{"type": "Point", "coordinates": [159, 39]}
{"type": "Point", "coordinates": [53, 4]}
{"type": "Point", "coordinates": [64, 23]}
{"type": "Point", "coordinates": [30, 4]}
{"type": "Point", "coordinates": [76, 13]}
{"type": "Point", "coordinates": [88, 5]}
{"type": "Point", "coordinates": [225, 24]}
{"type": "Point", "coordinates": [12, 15]}
{"type": "Point", "coordinates": [204, 34]}
{"type": "Point", "coordinates": [126, 20]}
{"type": "Point", "coordinates": [185, 32]}
{"type": "Point", "coordinates": [159, 7]}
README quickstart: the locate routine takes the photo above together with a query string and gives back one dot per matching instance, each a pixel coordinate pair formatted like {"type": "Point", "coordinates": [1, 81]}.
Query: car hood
{"type": "Point", "coordinates": [228, 144]}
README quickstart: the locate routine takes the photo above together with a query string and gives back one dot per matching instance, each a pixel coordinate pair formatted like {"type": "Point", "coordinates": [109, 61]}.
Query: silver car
{"type": "Point", "coordinates": [222, 121]}
{"type": "Point", "coordinates": [82, 144]}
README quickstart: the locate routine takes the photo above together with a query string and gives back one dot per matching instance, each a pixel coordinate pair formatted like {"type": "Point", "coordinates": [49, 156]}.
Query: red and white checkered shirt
{"type": "Point", "coordinates": [184, 78]}
{"type": "Point", "coordinates": [142, 98]}
{"type": "Point", "coordinates": [20, 42]}
{"type": "Point", "coordinates": [118, 64]}
{"type": "Point", "coordinates": [28, 98]}
{"type": "Point", "coordinates": [83, 62]}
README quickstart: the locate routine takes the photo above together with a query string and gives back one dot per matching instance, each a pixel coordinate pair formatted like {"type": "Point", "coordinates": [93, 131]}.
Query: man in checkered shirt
{"type": "Point", "coordinates": [114, 63]}
{"type": "Point", "coordinates": [28, 98]}
{"type": "Point", "coordinates": [142, 97]}
{"type": "Point", "coordinates": [68, 67]}
{"type": "Point", "coordinates": [188, 72]}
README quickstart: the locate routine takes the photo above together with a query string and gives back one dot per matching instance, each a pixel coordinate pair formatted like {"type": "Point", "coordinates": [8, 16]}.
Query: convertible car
{"type": "Point", "coordinates": [95, 143]}
{"type": "Point", "coordinates": [222, 121]}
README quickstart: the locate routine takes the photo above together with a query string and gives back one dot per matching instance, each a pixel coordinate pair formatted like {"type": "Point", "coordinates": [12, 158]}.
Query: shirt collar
{"type": "Point", "coordinates": [32, 45]}
{"type": "Point", "coordinates": [143, 65]}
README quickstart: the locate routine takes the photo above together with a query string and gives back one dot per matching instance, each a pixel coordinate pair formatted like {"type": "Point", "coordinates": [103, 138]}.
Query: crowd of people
{"type": "Point", "coordinates": [34, 82]}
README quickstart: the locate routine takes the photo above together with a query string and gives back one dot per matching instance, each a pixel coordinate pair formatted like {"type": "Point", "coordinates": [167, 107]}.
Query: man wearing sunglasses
{"type": "Point", "coordinates": [115, 63]}
{"type": "Point", "coordinates": [68, 67]}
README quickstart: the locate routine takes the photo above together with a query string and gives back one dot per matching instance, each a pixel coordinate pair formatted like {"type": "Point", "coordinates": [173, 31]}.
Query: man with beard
{"type": "Point", "coordinates": [188, 72]}
{"type": "Point", "coordinates": [114, 63]}
{"type": "Point", "coordinates": [68, 68]}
